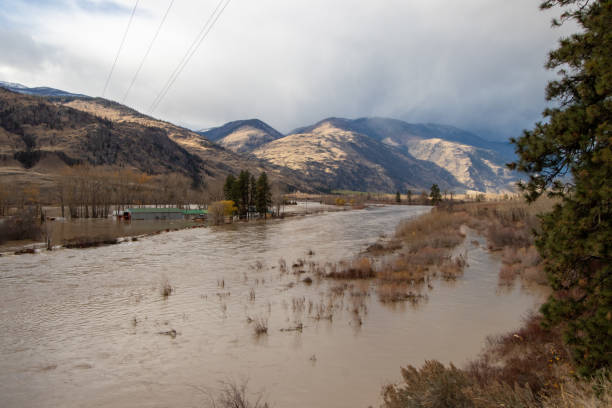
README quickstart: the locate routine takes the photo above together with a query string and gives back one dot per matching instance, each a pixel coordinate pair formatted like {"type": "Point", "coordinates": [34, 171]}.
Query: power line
{"type": "Point", "coordinates": [183, 61]}
{"type": "Point", "coordinates": [120, 47]}
{"type": "Point", "coordinates": [212, 19]}
{"type": "Point", "coordinates": [147, 53]}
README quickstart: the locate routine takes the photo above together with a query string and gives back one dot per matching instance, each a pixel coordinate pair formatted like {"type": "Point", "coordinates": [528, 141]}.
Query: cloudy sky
{"type": "Point", "coordinates": [475, 64]}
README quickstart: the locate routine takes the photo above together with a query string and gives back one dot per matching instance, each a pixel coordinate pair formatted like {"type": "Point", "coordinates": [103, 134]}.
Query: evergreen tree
{"type": "Point", "coordinates": [398, 197]}
{"type": "Point", "coordinates": [409, 196]}
{"type": "Point", "coordinates": [242, 187]}
{"type": "Point", "coordinates": [263, 197]}
{"type": "Point", "coordinates": [229, 186]}
{"type": "Point", "coordinates": [569, 155]}
{"type": "Point", "coordinates": [252, 191]}
{"type": "Point", "coordinates": [435, 195]}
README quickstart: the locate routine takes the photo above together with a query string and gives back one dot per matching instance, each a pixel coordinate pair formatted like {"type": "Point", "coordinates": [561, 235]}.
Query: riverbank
{"type": "Point", "coordinates": [529, 367]}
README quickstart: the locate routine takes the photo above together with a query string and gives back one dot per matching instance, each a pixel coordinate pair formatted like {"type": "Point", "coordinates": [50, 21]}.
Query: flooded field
{"type": "Point", "coordinates": [62, 231]}
{"type": "Point", "coordinates": [85, 327]}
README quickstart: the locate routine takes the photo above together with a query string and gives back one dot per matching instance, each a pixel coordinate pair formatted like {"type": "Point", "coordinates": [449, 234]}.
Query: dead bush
{"type": "Point", "coordinates": [23, 226]}
{"type": "Point", "coordinates": [528, 368]}
{"type": "Point", "coordinates": [232, 395]}
{"type": "Point", "coordinates": [397, 292]}
{"type": "Point", "coordinates": [261, 326]}
{"type": "Point", "coordinates": [358, 269]}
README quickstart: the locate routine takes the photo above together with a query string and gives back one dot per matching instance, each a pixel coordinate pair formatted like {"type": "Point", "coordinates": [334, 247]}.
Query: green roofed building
{"type": "Point", "coordinates": [147, 213]}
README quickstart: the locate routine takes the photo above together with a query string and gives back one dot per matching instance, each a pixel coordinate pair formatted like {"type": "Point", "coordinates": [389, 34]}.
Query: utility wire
{"type": "Point", "coordinates": [183, 61]}
{"type": "Point", "coordinates": [147, 53]}
{"type": "Point", "coordinates": [120, 47]}
{"type": "Point", "coordinates": [212, 19]}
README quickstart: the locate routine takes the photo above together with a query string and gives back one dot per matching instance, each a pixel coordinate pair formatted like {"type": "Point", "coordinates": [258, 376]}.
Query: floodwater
{"type": "Point", "coordinates": [82, 327]}
{"type": "Point", "coordinates": [62, 231]}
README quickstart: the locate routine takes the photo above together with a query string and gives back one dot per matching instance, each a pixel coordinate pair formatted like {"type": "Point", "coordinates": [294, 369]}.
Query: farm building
{"type": "Point", "coordinates": [162, 214]}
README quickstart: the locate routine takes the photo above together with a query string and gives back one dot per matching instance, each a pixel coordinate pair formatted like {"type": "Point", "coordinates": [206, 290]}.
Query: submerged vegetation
{"type": "Point", "coordinates": [23, 226]}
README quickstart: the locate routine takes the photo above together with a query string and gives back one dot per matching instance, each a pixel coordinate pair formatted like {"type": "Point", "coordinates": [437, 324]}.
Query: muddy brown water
{"type": "Point", "coordinates": [81, 327]}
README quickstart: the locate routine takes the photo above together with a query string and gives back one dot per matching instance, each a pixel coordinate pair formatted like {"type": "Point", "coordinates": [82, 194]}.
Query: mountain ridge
{"type": "Point", "coordinates": [349, 160]}
{"type": "Point", "coordinates": [377, 153]}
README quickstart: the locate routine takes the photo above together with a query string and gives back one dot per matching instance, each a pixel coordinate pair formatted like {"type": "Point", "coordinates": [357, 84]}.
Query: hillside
{"type": "Point", "coordinates": [343, 159]}
{"type": "Point", "coordinates": [40, 136]}
{"type": "Point", "coordinates": [242, 136]}
{"type": "Point", "coordinates": [32, 129]}
{"type": "Point", "coordinates": [476, 163]}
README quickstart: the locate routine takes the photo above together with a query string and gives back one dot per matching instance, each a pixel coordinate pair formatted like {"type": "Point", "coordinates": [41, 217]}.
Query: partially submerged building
{"type": "Point", "coordinates": [147, 213]}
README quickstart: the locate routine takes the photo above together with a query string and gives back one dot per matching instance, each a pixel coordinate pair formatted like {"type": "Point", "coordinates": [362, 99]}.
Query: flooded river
{"type": "Point", "coordinates": [82, 327]}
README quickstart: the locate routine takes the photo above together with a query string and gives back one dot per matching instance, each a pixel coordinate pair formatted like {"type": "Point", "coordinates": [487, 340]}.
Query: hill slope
{"type": "Point", "coordinates": [343, 159]}
{"type": "Point", "coordinates": [242, 136]}
{"type": "Point", "coordinates": [68, 130]}
{"type": "Point", "coordinates": [476, 163]}
{"type": "Point", "coordinates": [32, 128]}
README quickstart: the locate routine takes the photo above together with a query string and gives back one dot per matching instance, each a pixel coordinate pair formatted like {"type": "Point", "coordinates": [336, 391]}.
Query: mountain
{"type": "Point", "coordinates": [476, 163]}
{"type": "Point", "coordinates": [34, 130]}
{"type": "Point", "coordinates": [395, 131]}
{"type": "Point", "coordinates": [343, 159]}
{"type": "Point", "coordinates": [242, 136]}
{"type": "Point", "coordinates": [45, 128]}
{"type": "Point", "coordinates": [40, 136]}
{"type": "Point", "coordinates": [39, 91]}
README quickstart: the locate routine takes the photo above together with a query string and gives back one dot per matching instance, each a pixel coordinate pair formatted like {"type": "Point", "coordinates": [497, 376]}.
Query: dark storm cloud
{"type": "Point", "coordinates": [475, 64]}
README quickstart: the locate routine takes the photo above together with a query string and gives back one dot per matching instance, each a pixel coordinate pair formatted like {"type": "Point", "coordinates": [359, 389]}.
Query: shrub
{"type": "Point", "coordinates": [232, 395]}
{"type": "Point", "coordinates": [433, 386]}
{"type": "Point", "coordinates": [20, 227]}
{"type": "Point", "coordinates": [358, 269]}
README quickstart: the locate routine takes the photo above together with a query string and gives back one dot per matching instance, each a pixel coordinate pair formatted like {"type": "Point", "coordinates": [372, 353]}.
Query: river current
{"type": "Point", "coordinates": [86, 327]}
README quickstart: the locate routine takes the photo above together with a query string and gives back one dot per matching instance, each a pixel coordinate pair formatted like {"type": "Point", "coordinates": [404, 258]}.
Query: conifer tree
{"type": "Point", "coordinates": [264, 195]}
{"type": "Point", "coordinates": [229, 186]}
{"type": "Point", "coordinates": [252, 191]}
{"type": "Point", "coordinates": [569, 156]}
{"type": "Point", "coordinates": [435, 195]}
{"type": "Point", "coordinates": [242, 187]}
{"type": "Point", "coordinates": [398, 197]}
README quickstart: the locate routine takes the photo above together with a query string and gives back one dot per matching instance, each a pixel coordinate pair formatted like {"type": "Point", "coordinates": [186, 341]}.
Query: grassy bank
{"type": "Point", "coordinates": [529, 367]}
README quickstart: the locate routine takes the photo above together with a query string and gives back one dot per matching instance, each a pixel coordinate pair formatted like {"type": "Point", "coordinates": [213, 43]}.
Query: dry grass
{"type": "Point", "coordinates": [453, 268]}
{"type": "Point", "coordinates": [360, 268]}
{"type": "Point", "coordinates": [530, 355]}
{"type": "Point", "coordinates": [437, 229]}
{"type": "Point", "coordinates": [529, 368]}
{"type": "Point", "coordinates": [523, 263]}
{"type": "Point", "coordinates": [397, 292]}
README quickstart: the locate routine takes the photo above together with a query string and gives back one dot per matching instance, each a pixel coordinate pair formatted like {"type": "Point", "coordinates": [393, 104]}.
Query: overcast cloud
{"type": "Point", "coordinates": [475, 64]}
